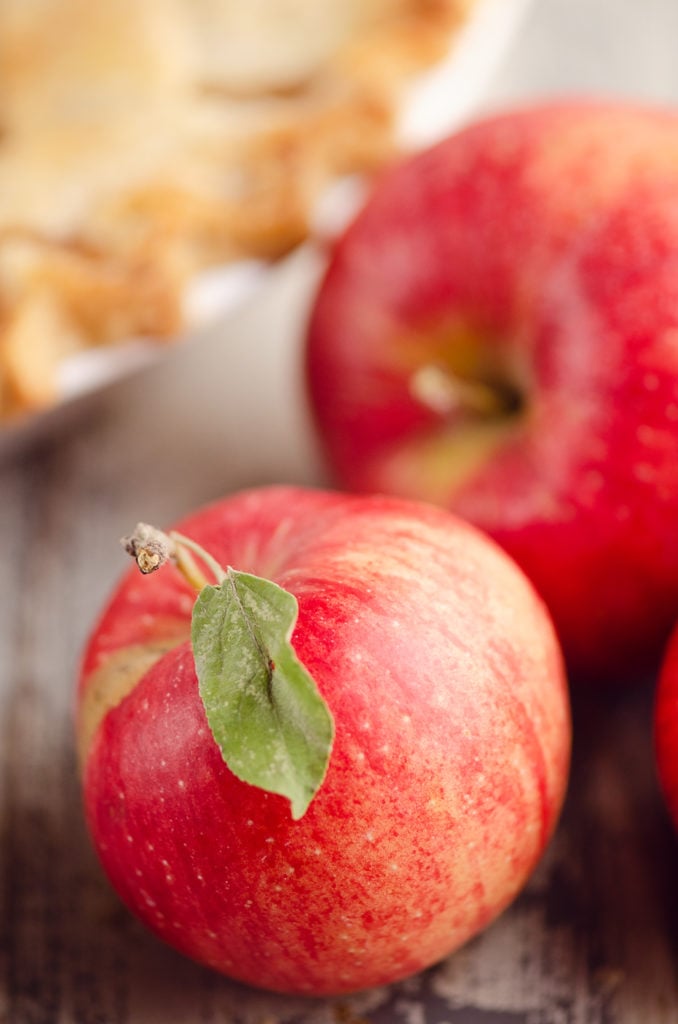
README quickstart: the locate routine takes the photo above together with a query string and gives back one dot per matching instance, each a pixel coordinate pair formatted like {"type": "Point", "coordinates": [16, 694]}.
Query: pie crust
{"type": "Point", "coordinates": [143, 142]}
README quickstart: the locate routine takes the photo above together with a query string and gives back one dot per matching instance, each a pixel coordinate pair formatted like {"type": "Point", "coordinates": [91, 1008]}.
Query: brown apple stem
{"type": "Point", "coordinates": [151, 548]}
{"type": "Point", "coordinates": [446, 393]}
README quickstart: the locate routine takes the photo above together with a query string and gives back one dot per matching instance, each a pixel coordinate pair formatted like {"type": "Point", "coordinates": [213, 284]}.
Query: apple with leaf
{"type": "Point", "coordinates": [326, 742]}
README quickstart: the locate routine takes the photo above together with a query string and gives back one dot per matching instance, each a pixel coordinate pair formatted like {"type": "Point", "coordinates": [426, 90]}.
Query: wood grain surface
{"type": "Point", "coordinates": [593, 939]}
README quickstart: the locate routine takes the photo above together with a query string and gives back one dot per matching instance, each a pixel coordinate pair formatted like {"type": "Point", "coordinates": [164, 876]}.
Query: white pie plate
{"type": "Point", "coordinates": [237, 335]}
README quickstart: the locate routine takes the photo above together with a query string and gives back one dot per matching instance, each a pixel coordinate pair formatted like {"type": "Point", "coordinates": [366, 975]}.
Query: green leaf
{"type": "Point", "coordinates": [274, 729]}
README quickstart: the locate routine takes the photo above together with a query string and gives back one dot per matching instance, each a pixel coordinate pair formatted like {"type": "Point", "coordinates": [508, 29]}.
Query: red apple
{"type": "Point", "coordinates": [444, 680]}
{"type": "Point", "coordinates": [498, 333]}
{"type": "Point", "coordinates": [666, 726]}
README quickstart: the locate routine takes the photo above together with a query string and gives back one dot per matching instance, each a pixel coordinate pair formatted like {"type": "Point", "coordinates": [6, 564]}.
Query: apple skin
{"type": "Point", "coordinates": [666, 726]}
{"type": "Point", "coordinates": [539, 246]}
{"type": "Point", "coordinates": [441, 668]}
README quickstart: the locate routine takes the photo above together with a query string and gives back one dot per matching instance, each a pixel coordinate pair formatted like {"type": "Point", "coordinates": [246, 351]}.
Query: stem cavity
{"type": "Point", "coordinates": [449, 394]}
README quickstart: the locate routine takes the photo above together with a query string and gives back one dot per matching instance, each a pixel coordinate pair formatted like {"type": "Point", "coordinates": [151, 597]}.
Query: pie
{"type": "Point", "coordinates": [143, 142]}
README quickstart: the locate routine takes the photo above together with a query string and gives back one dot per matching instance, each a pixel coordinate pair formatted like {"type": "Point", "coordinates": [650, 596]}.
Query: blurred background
{"type": "Point", "coordinates": [595, 937]}
{"type": "Point", "coordinates": [246, 323]}
{"type": "Point", "coordinates": [601, 47]}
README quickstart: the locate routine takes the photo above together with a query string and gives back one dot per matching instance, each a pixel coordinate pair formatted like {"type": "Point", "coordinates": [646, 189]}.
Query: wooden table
{"type": "Point", "coordinates": [593, 939]}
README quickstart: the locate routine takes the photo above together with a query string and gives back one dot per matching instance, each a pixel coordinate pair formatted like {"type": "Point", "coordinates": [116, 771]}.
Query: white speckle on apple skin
{"type": "Point", "coordinates": [594, 480]}
{"type": "Point", "coordinates": [647, 435]}
{"type": "Point", "coordinates": [644, 472]}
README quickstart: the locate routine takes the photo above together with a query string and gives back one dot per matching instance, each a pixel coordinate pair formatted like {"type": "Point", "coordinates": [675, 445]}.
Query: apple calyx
{"type": "Point", "coordinates": [267, 717]}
